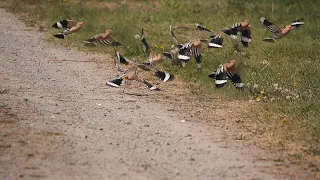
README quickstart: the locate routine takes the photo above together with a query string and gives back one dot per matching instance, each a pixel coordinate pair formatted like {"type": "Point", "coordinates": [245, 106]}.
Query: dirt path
{"type": "Point", "coordinates": [60, 121]}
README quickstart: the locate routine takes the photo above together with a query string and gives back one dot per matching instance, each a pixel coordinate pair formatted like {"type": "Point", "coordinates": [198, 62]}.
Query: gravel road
{"type": "Point", "coordinates": [60, 121]}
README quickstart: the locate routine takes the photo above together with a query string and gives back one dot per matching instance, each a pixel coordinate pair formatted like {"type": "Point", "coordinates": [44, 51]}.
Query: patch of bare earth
{"type": "Point", "coordinates": [60, 121]}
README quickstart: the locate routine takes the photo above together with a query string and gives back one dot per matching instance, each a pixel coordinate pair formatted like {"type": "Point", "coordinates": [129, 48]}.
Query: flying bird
{"type": "Point", "coordinates": [243, 28]}
{"type": "Point", "coordinates": [73, 29]}
{"type": "Point", "coordinates": [215, 40]}
{"type": "Point", "coordinates": [64, 24]}
{"type": "Point", "coordinates": [128, 76]}
{"type": "Point", "coordinates": [227, 72]}
{"type": "Point", "coordinates": [277, 31]}
{"type": "Point", "coordinates": [162, 75]}
{"type": "Point", "coordinates": [103, 38]}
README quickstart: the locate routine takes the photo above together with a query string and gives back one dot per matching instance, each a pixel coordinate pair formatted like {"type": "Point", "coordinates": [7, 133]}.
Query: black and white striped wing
{"type": "Point", "coordinates": [62, 24]}
{"type": "Point", "coordinates": [149, 85]}
{"type": "Point", "coordinates": [163, 75]}
{"type": "Point", "coordinates": [245, 37]}
{"type": "Point", "coordinates": [232, 31]}
{"type": "Point", "coordinates": [197, 56]}
{"type": "Point", "coordinates": [184, 53]}
{"type": "Point", "coordinates": [122, 59]}
{"type": "Point", "coordinates": [115, 82]}
{"type": "Point", "coordinates": [235, 79]}
{"type": "Point", "coordinates": [91, 41]}
{"type": "Point", "coordinates": [220, 77]}
{"type": "Point", "coordinates": [270, 26]}
{"type": "Point", "coordinates": [144, 42]}
{"type": "Point", "coordinates": [202, 28]}
{"type": "Point", "coordinates": [106, 42]}
{"type": "Point", "coordinates": [216, 41]}
{"type": "Point", "coordinates": [173, 36]}
{"type": "Point", "coordinates": [297, 23]}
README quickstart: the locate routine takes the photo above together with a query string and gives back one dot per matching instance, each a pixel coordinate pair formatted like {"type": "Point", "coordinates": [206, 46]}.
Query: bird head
{"type": "Point", "coordinates": [196, 43]}
{"type": "Point", "coordinates": [233, 62]}
{"type": "Point", "coordinates": [245, 24]}
{"type": "Point", "coordinates": [108, 31]}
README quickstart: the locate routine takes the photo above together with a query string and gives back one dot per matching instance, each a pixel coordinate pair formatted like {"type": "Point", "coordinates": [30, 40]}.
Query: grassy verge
{"type": "Point", "coordinates": [283, 75]}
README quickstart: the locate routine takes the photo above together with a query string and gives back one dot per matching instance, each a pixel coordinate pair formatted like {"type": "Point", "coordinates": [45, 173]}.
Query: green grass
{"type": "Point", "coordinates": [290, 82]}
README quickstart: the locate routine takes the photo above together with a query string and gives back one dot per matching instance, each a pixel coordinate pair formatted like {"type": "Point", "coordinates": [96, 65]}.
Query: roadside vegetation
{"type": "Point", "coordinates": [283, 76]}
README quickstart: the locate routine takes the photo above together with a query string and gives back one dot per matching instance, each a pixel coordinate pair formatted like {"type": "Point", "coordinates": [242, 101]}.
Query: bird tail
{"type": "Point", "coordinates": [60, 35]}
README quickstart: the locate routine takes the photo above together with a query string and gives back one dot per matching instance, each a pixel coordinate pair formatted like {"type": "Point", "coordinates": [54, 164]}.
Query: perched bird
{"type": "Point", "coordinates": [243, 28]}
{"type": "Point", "coordinates": [64, 24]}
{"type": "Point", "coordinates": [73, 29]}
{"type": "Point", "coordinates": [279, 32]}
{"type": "Point", "coordinates": [103, 38]}
{"type": "Point", "coordinates": [227, 72]}
{"type": "Point", "coordinates": [145, 45]}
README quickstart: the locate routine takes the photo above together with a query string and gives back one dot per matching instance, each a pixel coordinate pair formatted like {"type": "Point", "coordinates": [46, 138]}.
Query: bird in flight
{"type": "Point", "coordinates": [277, 31]}
{"type": "Point", "coordinates": [103, 38]}
{"type": "Point", "coordinates": [64, 24]}
{"type": "Point", "coordinates": [227, 72]}
{"type": "Point", "coordinates": [243, 28]}
{"type": "Point", "coordinates": [215, 40]}
{"type": "Point", "coordinates": [67, 31]}
{"type": "Point", "coordinates": [127, 76]}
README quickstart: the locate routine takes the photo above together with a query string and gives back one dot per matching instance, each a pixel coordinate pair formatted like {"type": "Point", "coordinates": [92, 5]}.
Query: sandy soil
{"type": "Point", "coordinates": [59, 120]}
